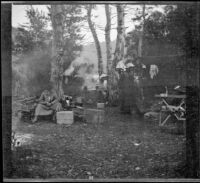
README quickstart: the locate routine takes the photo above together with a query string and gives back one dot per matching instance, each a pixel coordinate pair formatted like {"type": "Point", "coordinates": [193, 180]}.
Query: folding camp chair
{"type": "Point", "coordinates": [178, 111]}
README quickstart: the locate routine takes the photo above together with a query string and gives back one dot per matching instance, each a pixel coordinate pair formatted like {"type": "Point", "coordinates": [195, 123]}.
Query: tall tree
{"type": "Point", "coordinates": [32, 35]}
{"type": "Point", "coordinates": [141, 35]}
{"type": "Point", "coordinates": [31, 49]}
{"type": "Point", "coordinates": [107, 38]}
{"type": "Point", "coordinates": [118, 54]}
{"type": "Point", "coordinates": [57, 19]}
{"type": "Point", "coordinates": [72, 32]}
{"type": "Point", "coordinates": [120, 43]}
{"type": "Point", "coordinates": [109, 49]}
{"type": "Point", "coordinates": [96, 40]}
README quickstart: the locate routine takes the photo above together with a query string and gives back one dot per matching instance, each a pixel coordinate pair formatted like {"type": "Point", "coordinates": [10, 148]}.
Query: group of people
{"type": "Point", "coordinates": [131, 72]}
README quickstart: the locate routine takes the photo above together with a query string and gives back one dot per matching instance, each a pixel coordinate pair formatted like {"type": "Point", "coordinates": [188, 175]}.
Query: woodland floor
{"type": "Point", "coordinates": [106, 151]}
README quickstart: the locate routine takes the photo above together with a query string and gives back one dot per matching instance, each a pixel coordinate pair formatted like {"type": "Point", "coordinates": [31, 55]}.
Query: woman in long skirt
{"type": "Point", "coordinates": [48, 105]}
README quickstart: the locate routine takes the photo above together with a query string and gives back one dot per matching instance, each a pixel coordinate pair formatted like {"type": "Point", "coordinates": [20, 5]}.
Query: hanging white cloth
{"type": "Point", "coordinates": [153, 71]}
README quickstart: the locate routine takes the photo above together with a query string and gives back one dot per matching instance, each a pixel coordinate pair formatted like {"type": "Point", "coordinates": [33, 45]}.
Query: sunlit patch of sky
{"type": "Point", "coordinates": [19, 17]}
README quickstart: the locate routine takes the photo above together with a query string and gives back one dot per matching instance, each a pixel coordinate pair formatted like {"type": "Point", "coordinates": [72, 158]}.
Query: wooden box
{"type": "Point", "coordinates": [65, 117]}
{"type": "Point", "coordinates": [100, 105]}
{"type": "Point", "coordinates": [94, 115]}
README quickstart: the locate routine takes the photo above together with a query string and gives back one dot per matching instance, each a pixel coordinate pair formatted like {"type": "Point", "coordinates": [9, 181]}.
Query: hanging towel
{"type": "Point", "coordinates": [153, 71]}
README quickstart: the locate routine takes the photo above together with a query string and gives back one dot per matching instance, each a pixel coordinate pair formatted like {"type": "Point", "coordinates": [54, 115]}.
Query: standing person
{"type": "Point", "coordinates": [121, 90]}
{"type": "Point", "coordinates": [130, 70]}
{"type": "Point", "coordinates": [103, 87]}
{"type": "Point", "coordinates": [138, 81]}
{"type": "Point", "coordinates": [48, 105]}
{"type": "Point", "coordinates": [139, 67]}
{"type": "Point", "coordinates": [121, 83]}
{"type": "Point", "coordinates": [128, 88]}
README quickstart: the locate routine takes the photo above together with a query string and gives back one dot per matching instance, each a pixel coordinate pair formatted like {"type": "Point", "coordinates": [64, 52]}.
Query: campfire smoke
{"type": "Point", "coordinates": [82, 68]}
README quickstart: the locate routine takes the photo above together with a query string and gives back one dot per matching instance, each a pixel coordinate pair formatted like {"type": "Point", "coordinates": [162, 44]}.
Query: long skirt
{"type": "Point", "coordinates": [43, 110]}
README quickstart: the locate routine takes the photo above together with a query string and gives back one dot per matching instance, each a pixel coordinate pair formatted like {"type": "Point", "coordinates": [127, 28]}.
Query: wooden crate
{"type": "Point", "coordinates": [94, 115]}
{"type": "Point", "coordinates": [100, 105]}
{"type": "Point", "coordinates": [78, 111]}
{"type": "Point", "coordinates": [65, 117]}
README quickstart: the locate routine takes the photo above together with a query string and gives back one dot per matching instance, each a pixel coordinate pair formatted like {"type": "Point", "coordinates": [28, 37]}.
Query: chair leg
{"type": "Point", "coordinates": [161, 123]}
{"type": "Point", "coordinates": [160, 118]}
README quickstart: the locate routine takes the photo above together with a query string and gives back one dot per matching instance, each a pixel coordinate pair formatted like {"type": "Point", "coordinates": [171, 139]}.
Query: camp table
{"type": "Point", "coordinates": [178, 111]}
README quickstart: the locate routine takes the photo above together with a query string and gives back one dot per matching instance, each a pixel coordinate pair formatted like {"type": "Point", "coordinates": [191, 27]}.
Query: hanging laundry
{"type": "Point", "coordinates": [153, 71]}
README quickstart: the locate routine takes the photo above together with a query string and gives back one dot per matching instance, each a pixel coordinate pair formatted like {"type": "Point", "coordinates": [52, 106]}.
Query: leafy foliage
{"type": "Point", "coordinates": [178, 26]}
{"type": "Point", "coordinates": [33, 41]}
{"type": "Point", "coordinates": [23, 41]}
{"type": "Point", "coordinates": [154, 27]}
{"type": "Point", "coordinates": [31, 46]}
{"type": "Point", "coordinates": [72, 33]}
{"type": "Point", "coordinates": [33, 35]}
{"type": "Point", "coordinates": [183, 26]}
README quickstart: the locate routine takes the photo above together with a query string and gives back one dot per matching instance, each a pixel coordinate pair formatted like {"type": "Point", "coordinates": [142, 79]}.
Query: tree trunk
{"type": "Point", "coordinates": [119, 49]}
{"type": "Point", "coordinates": [96, 40]}
{"type": "Point", "coordinates": [108, 41]}
{"type": "Point", "coordinates": [118, 55]}
{"type": "Point", "coordinates": [110, 67]}
{"type": "Point", "coordinates": [140, 97]}
{"type": "Point", "coordinates": [141, 36]}
{"type": "Point", "coordinates": [57, 19]}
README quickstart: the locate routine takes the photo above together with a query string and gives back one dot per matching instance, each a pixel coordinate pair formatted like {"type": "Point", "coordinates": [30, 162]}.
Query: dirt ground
{"type": "Point", "coordinates": [124, 146]}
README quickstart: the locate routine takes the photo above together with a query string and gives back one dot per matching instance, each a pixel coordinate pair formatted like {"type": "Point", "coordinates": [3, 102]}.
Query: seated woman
{"type": "Point", "coordinates": [48, 105]}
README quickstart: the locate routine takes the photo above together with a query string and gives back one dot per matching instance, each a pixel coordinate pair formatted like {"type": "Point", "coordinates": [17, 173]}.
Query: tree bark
{"type": "Point", "coordinates": [140, 97]}
{"type": "Point", "coordinates": [57, 19]}
{"type": "Point", "coordinates": [110, 68]}
{"type": "Point", "coordinates": [119, 49]}
{"type": "Point", "coordinates": [118, 55]}
{"type": "Point", "coordinates": [96, 40]}
{"type": "Point", "coordinates": [141, 36]}
{"type": "Point", "coordinates": [107, 38]}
